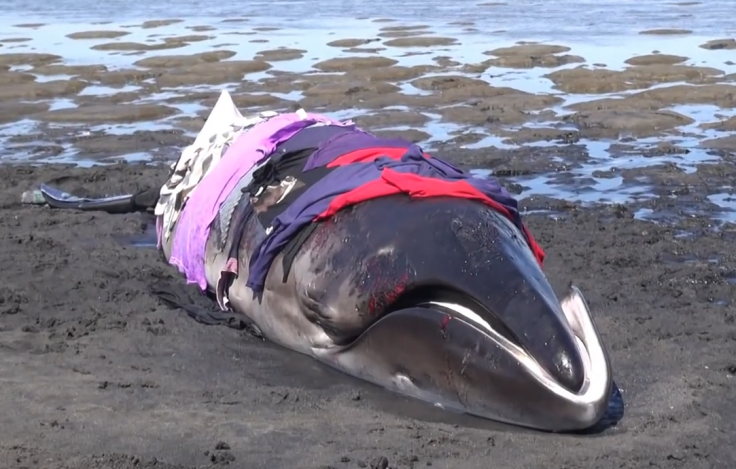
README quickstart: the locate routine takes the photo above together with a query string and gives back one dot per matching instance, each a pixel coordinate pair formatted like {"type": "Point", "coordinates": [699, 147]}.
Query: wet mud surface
{"type": "Point", "coordinates": [623, 158]}
{"type": "Point", "coordinates": [140, 91]}
{"type": "Point", "coordinates": [96, 373]}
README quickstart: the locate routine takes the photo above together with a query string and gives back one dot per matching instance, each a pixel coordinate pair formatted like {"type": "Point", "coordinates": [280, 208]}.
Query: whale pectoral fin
{"type": "Point", "coordinates": [177, 295]}
{"type": "Point", "coordinates": [126, 203]}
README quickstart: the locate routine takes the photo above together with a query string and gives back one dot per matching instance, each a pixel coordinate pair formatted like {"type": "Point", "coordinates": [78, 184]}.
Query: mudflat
{"type": "Point", "coordinates": [623, 164]}
{"type": "Point", "coordinates": [96, 373]}
{"type": "Point", "coordinates": [84, 96]}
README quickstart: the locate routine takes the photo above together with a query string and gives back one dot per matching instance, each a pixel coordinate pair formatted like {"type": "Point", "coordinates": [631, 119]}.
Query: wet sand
{"type": "Point", "coordinates": [96, 373]}
{"type": "Point", "coordinates": [623, 160]}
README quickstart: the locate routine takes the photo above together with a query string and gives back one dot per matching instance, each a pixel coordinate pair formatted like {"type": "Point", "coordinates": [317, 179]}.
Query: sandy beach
{"type": "Point", "coordinates": [620, 146]}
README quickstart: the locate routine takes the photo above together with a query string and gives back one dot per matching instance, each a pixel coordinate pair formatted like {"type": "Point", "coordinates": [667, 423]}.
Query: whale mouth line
{"type": "Point", "coordinates": [459, 306]}
{"type": "Point", "coordinates": [596, 368]}
{"type": "Point", "coordinates": [456, 304]}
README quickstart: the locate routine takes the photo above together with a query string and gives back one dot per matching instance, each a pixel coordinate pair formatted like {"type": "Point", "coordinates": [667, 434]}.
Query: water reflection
{"type": "Point", "coordinates": [599, 34]}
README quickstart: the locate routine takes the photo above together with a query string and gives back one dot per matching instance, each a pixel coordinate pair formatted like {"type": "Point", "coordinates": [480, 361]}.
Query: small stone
{"type": "Point", "coordinates": [33, 197]}
{"type": "Point", "coordinates": [379, 463]}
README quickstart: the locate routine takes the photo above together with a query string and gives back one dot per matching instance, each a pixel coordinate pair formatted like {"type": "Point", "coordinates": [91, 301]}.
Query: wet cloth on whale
{"type": "Point", "coordinates": [285, 176]}
{"type": "Point", "coordinates": [223, 125]}
{"type": "Point", "coordinates": [188, 247]}
{"type": "Point", "coordinates": [414, 174]}
{"type": "Point", "coordinates": [355, 147]}
{"type": "Point", "coordinates": [311, 137]}
{"type": "Point", "coordinates": [270, 188]}
{"type": "Point", "coordinates": [273, 189]}
{"type": "Point", "coordinates": [283, 162]}
{"type": "Point", "coordinates": [223, 223]}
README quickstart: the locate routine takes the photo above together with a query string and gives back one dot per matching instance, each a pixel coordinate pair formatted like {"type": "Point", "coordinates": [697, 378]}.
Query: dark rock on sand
{"type": "Point", "coordinates": [457, 88]}
{"type": "Point", "coordinates": [722, 143]}
{"type": "Point", "coordinates": [137, 46]}
{"type": "Point", "coordinates": [29, 25]}
{"type": "Point", "coordinates": [186, 39]}
{"type": "Point", "coordinates": [211, 73]}
{"type": "Point", "coordinates": [531, 61]}
{"type": "Point", "coordinates": [350, 43]}
{"type": "Point", "coordinates": [417, 27]}
{"type": "Point", "coordinates": [364, 50]}
{"type": "Point", "coordinates": [666, 32]}
{"type": "Point", "coordinates": [121, 113]}
{"type": "Point", "coordinates": [611, 123]}
{"type": "Point", "coordinates": [447, 82]}
{"type": "Point", "coordinates": [726, 125]}
{"type": "Point", "coordinates": [169, 61]}
{"type": "Point", "coordinates": [45, 90]}
{"type": "Point", "coordinates": [403, 34]}
{"type": "Point", "coordinates": [718, 44]}
{"type": "Point", "coordinates": [396, 73]}
{"type": "Point", "coordinates": [245, 100]}
{"type": "Point", "coordinates": [14, 78]}
{"type": "Point", "coordinates": [282, 54]}
{"type": "Point", "coordinates": [349, 87]}
{"type": "Point", "coordinates": [425, 41]}
{"type": "Point", "coordinates": [121, 77]}
{"type": "Point", "coordinates": [536, 134]}
{"type": "Point", "coordinates": [528, 50]}
{"type": "Point", "coordinates": [620, 104]}
{"type": "Point", "coordinates": [15, 111]}
{"type": "Point", "coordinates": [68, 69]}
{"type": "Point", "coordinates": [510, 98]}
{"type": "Point", "coordinates": [14, 40]}
{"type": "Point", "coordinates": [722, 95]}
{"type": "Point", "coordinates": [526, 56]}
{"type": "Point", "coordinates": [98, 145]}
{"type": "Point", "coordinates": [28, 59]}
{"type": "Point", "coordinates": [656, 59]}
{"type": "Point", "coordinates": [188, 123]}
{"type": "Point", "coordinates": [202, 28]}
{"type": "Point", "coordinates": [158, 23]}
{"type": "Point", "coordinates": [582, 80]}
{"type": "Point", "coordinates": [346, 64]}
{"type": "Point", "coordinates": [109, 99]}
{"type": "Point", "coordinates": [482, 116]}
{"type": "Point", "coordinates": [365, 97]}
{"type": "Point", "coordinates": [412, 135]}
{"type": "Point", "coordinates": [445, 61]}
{"type": "Point", "coordinates": [392, 118]}
{"type": "Point", "coordinates": [97, 34]}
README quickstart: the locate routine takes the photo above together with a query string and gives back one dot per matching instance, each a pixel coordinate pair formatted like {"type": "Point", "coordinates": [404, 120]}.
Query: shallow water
{"type": "Point", "coordinates": [519, 19]}
{"type": "Point", "coordinates": [601, 32]}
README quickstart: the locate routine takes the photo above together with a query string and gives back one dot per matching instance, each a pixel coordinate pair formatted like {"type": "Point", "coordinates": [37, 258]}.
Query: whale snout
{"type": "Point", "coordinates": [442, 353]}
{"type": "Point", "coordinates": [446, 302]}
{"type": "Point", "coordinates": [537, 326]}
